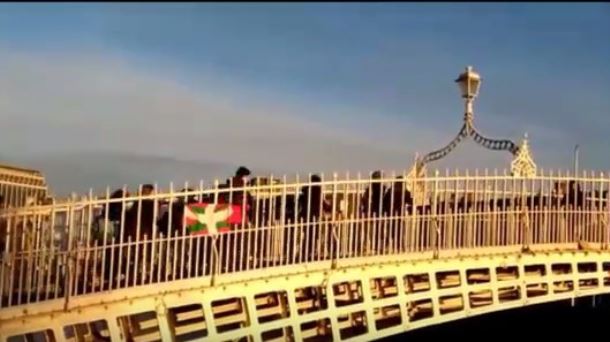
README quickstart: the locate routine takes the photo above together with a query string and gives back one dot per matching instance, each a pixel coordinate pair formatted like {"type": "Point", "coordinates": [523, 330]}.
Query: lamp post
{"type": "Point", "coordinates": [469, 83]}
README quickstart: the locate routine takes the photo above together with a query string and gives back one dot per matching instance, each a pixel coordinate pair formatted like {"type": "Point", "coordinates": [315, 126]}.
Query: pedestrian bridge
{"type": "Point", "coordinates": [345, 258]}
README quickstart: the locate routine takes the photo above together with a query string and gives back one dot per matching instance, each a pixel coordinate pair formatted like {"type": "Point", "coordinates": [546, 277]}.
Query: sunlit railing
{"type": "Point", "coordinates": [18, 186]}
{"type": "Point", "coordinates": [98, 244]}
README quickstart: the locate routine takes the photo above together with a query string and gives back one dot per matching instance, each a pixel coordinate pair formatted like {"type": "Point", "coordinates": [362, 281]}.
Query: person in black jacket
{"type": "Point", "coordinates": [373, 196]}
{"type": "Point", "coordinates": [397, 197]}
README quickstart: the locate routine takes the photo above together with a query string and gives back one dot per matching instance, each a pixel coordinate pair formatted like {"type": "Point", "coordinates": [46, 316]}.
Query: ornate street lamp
{"type": "Point", "coordinates": [469, 83]}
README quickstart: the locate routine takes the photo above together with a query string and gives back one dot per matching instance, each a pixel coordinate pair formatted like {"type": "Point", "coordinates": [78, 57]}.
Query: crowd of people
{"type": "Point", "coordinates": [147, 218]}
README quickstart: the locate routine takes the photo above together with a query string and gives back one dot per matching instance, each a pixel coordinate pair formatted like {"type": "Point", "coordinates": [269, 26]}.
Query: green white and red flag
{"type": "Point", "coordinates": [210, 218]}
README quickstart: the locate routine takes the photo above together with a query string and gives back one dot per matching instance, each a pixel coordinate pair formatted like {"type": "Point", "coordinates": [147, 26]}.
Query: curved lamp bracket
{"type": "Point", "coordinates": [522, 165]}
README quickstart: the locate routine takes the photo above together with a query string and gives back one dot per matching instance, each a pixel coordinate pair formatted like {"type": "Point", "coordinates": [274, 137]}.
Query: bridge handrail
{"type": "Point", "coordinates": [504, 215]}
{"type": "Point", "coordinates": [483, 176]}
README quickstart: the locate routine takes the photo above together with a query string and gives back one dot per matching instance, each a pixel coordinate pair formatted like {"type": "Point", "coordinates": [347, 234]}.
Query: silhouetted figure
{"type": "Point", "coordinates": [112, 230]}
{"type": "Point", "coordinates": [176, 211]}
{"type": "Point", "coordinates": [144, 210]}
{"type": "Point", "coordinates": [397, 197]}
{"type": "Point", "coordinates": [373, 196]}
{"type": "Point", "coordinates": [574, 196]}
{"type": "Point", "coordinates": [311, 204]}
{"type": "Point", "coordinates": [232, 191]}
{"type": "Point", "coordinates": [312, 207]}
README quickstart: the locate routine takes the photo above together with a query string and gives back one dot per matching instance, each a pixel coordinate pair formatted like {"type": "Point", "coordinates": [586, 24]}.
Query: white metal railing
{"type": "Point", "coordinates": [18, 186]}
{"type": "Point", "coordinates": [93, 244]}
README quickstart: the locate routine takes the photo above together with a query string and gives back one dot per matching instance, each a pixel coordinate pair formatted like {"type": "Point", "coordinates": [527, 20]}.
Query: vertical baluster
{"type": "Point", "coordinates": [31, 253]}
{"type": "Point", "coordinates": [268, 217]}
{"type": "Point", "coordinates": [70, 261]}
{"type": "Point", "coordinates": [197, 238]}
{"type": "Point", "coordinates": [243, 233]}
{"type": "Point", "coordinates": [537, 189]}
{"type": "Point", "coordinates": [11, 247]}
{"type": "Point", "coordinates": [162, 251]}
{"type": "Point", "coordinates": [297, 236]}
{"type": "Point", "coordinates": [137, 240]}
{"type": "Point", "coordinates": [215, 257]}
{"type": "Point", "coordinates": [105, 248]}
{"type": "Point", "coordinates": [230, 237]}
{"type": "Point", "coordinates": [61, 253]}
{"type": "Point", "coordinates": [463, 210]}
{"type": "Point", "coordinates": [589, 208]}
{"type": "Point", "coordinates": [600, 209]}
{"type": "Point", "coordinates": [447, 214]}
{"type": "Point", "coordinates": [121, 240]}
{"type": "Point", "coordinates": [144, 274]}
{"type": "Point", "coordinates": [389, 214]}
{"type": "Point", "coordinates": [184, 238]}
{"type": "Point", "coordinates": [5, 260]}
{"type": "Point", "coordinates": [486, 211]}
{"type": "Point", "coordinates": [585, 207]}
{"type": "Point", "coordinates": [256, 225]}
{"type": "Point", "coordinates": [332, 226]}
{"type": "Point", "coordinates": [307, 233]}
{"type": "Point", "coordinates": [550, 226]}
{"type": "Point", "coordinates": [402, 228]}
{"type": "Point", "coordinates": [285, 230]}
{"type": "Point", "coordinates": [154, 261]}
{"type": "Point", "coordinates": [478, 210]}
{"type": "Point", "coordinates": [95, 251]}
{"type": "Point", "coordinates": [85, 245]}
{"type": "Point", "coordinates": [357, 226]}
{"type": "Point", "coordinates": [52, 254]}
{"type": "Point", "coordinates": [39, 253]}
{"type": "Point", "coordinates": [128, 266]}
{"type": "Point", "coordinates": [606, 210]}
{"type": "Point", "coordinates": [434, 226]}
{"type": "Point", "coordinates": [21, 258]}
{"type": "Point", "coordinates": [169, 269]}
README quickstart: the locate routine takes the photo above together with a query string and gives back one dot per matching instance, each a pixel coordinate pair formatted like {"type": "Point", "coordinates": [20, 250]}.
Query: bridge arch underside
{"type": "Point", "coordinates": [350, 302]}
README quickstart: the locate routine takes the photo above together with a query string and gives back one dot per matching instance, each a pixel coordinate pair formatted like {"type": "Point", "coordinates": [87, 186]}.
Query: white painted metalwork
{"type": "Point", "coordinates": [83, 253]}
{"type": "Point", "coordinates": [19, 187]}
{"type": "Point", "coordinates": [523, 164]}
{"type": "Point", "coordinates": [469, 83]}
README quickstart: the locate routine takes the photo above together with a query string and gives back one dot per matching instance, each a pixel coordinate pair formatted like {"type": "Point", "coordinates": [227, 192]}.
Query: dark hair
{"type": "Point", "coordinates": [189, 199]}
{"type": "Point", "coordinates": [118, 194]}
{"type": "Point", "coordinates": [315, 179]}
{"type": "Point", "coordinates": [148, 187]}
{"type": "Point", "coordinates": [242, 171]}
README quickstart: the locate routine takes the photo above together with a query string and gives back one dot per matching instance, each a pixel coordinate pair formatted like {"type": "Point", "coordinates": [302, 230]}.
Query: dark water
{"type": "Point", "coordinates": [547, 322]}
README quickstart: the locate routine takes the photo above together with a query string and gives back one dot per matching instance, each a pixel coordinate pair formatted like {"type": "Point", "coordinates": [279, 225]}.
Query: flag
{"type": "Point", "coordinates": [209, 218]}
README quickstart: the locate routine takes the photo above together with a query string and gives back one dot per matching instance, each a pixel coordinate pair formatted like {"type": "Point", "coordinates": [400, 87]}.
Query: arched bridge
{"type": "Point", "coordinates": [346, 258]}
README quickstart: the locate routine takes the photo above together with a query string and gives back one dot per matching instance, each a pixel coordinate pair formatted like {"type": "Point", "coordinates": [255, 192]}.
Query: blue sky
{"type": "Point", "coordinates": [303, 86]}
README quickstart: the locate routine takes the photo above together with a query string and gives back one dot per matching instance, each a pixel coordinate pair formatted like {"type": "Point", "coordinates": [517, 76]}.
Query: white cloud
{"type": "Point", "coordinates": [62, 102]}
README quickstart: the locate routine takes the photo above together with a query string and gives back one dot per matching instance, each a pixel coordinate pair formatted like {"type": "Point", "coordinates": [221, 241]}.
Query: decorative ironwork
{"type": "Point", "coordinates": [522, 164]}
{"type": "Point", "coordinates": [469, 130]}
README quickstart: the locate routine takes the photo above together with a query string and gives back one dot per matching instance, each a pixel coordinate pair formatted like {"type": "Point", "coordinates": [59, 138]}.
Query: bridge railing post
{"type": "Point", "coordinates": [436, 227]}
{"type": "Point", "coordinates": [70, 258]}
{"type": "Point", "coordinates": [606, 212]}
